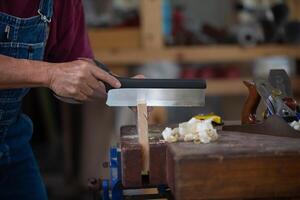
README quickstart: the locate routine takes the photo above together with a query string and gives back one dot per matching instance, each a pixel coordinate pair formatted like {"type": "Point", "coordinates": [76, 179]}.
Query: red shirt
{"type": "Point", "coordinates": [68, 38]}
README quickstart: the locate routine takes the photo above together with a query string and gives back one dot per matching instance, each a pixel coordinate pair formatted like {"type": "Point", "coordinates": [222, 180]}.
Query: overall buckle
{"type": "Point", "coordinates": [44, 17]}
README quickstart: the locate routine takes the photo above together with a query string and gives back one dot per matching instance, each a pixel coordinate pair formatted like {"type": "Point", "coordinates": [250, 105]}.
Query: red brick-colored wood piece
{"type": "Point", "coordinates": [131, 156]}
{"type": "Point", "coordinates": [237, 166]}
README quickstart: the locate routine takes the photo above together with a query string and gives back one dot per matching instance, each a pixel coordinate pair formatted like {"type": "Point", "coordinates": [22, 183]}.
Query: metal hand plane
{"type": "Point", "coordinates": [281, 107]}
{"type": "Point", "coordinates": [276, 93]}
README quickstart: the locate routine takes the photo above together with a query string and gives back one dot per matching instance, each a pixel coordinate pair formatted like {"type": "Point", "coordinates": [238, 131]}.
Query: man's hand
{"type": "Point", "coordinates": [81, 80]}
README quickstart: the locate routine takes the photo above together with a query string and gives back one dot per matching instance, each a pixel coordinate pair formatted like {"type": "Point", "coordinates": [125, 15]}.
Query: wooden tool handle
{"type": "Point", "coordinates": [251, 104]}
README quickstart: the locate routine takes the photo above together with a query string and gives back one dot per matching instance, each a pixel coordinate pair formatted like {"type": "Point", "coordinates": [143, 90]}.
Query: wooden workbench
{"type": "Point", "coordinates": [238, 165]}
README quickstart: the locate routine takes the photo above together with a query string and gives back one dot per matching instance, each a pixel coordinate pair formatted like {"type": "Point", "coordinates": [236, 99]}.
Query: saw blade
{"type": "Point", "coordinates": [156, 97]}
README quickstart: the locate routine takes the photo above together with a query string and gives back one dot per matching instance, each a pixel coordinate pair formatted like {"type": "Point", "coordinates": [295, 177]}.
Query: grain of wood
{"type": "Point", "coordinates": [237, 166]}
{"type": "Point", "coordinates": [142, 127]}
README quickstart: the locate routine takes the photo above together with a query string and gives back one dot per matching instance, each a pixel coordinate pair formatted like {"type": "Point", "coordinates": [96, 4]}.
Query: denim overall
{"type": "Point", "coordinates": [23, 38]}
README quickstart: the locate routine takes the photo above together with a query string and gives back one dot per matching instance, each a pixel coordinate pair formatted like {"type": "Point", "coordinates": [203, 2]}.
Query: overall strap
{"type": "Point", "coordinates": [46, 10]}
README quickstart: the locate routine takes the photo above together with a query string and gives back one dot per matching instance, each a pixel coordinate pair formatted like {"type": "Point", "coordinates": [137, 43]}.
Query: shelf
{"type": "Point", "coordinates": [134, 46]}
{"type": "Point", "coordinates": [200, 54]}
{"type": "Point", "coordinates": [112, 38]}
{"type": "Point", "coordinates": [235, 87]}
{"type": "Point", "coordinates": [123, 47]}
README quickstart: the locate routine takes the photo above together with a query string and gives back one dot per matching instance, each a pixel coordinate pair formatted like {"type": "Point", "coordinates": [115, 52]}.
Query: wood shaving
{"type": "Point", "coordinates": [295, 125]}
{"type": "Point", "coordinates": [194, 130]}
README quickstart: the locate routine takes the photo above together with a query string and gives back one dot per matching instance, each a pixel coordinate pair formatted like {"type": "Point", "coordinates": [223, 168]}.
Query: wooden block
{"type": "Point", "coordinates": [131, 155]}
{"type": "Point", "coordinates": [157, 175]}
{"type": "Point", "coordinates": [131, 165]}
{"type": "Point", "coordinates": [142, 129]}
{"type": "Point", "coordinates": [237, 166]}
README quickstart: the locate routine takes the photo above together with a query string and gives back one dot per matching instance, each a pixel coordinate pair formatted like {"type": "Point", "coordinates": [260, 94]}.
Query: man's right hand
{"type": "Point", "coordinates": [81, 80]}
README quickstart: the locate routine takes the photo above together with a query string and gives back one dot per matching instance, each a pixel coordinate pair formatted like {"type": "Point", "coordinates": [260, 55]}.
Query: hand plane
{"type": "Point", "coordinates": [281, 107]}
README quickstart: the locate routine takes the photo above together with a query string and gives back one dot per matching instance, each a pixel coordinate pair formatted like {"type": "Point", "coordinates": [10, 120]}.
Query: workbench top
{"type": "Point", "coordinates": [237, 145]}
{"type": "Point", "coordinates": [237, 165]}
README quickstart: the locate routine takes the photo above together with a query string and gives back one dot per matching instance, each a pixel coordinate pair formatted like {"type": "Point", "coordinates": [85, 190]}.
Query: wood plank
{"type": "Point", "coordinates": [294, 6]}
{"type": "Point", "coordinates": [151, 22]}
{"type": "Point", "coordinates": [114, 38]}
{"type": "Point", "coordinates": [202, 54]}
{"type": "Point", "coordinates": [142, 129]}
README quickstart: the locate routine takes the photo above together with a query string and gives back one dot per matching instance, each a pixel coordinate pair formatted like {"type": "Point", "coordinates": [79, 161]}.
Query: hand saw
{"type": "Point", "coordinates": [153, 92]}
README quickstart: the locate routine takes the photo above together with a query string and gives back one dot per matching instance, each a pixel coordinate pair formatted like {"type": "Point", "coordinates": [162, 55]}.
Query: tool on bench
{"type": "Point", "coordinates": [279, 79]}
{"type": "Point", "coordinates": [274, 100]}
{"type": "Point", "coordinates": [153, 92]}
{"type": "Point", "coordinates": [277, 94]}
{"type": "Point", "coordinates": [143, 93]}
{"type": "Point", "coordinates": [157, 92]}
{"type": "Point", "coordinates": [282, 108]}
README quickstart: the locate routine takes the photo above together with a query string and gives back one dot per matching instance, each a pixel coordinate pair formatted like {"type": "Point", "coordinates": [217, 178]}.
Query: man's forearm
{"type": "Point", "coordinates": [80, 79]}
{"type": "Point", "coordinates": [17, 73]}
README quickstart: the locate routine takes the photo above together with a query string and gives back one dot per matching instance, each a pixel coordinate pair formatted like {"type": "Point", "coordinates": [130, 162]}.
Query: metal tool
{"type": "Point", "coordinates": [273, 98]}
{"type": "Point", "coordinates": [154, 92]}
{"type": "Point", "coordinates": [277, 94]}
{"type": "Point", "coordinates": [155, 97]}
{"type": "Point", "coordinates": [280, 80]}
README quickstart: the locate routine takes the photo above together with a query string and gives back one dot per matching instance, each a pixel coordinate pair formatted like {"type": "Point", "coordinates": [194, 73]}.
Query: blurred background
{"type": "Point", "coordinates": [223, 42]}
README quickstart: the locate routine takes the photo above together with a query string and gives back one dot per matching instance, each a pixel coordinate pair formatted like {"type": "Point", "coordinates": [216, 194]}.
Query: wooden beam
{"type": "Point", "coordinates": [215, 54]}
{"type": "Point", "coordinates": [114, 38]}
{"type": "Point", "coordinates": [151, 24]}
{"type": "Point", "coordinates": [142, 129]}
{"type": "Point", "coordinates": [294, 6]}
